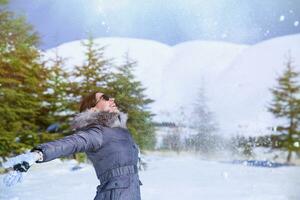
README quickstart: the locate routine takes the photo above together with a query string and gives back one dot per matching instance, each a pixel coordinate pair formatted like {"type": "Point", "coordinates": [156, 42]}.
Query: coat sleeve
{"type": "Point", "coordinates": [89, 139]}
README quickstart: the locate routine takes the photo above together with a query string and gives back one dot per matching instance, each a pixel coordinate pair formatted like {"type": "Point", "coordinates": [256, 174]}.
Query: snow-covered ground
{"type": "Point", "coordinates": [167, 177]}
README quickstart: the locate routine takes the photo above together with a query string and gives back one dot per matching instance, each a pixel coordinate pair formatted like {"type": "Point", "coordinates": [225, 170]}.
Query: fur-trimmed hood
{"type": "Point", "coordinates": [102, 118]}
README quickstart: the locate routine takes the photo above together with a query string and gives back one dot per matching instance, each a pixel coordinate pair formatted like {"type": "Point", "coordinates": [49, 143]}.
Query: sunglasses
{"type": "Point", "coordinates": [104, 96]}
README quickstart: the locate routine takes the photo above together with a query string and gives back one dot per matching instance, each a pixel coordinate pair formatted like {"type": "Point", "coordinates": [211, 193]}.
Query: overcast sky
{"type": "Point", "coordinates": [167, 21]}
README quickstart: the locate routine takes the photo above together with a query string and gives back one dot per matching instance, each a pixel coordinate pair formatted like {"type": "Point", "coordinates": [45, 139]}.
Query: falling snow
{"type": "Point", "coordinates": [282, 17]}
{"type": "Point", "coordinates": [296, 23]}
{"type": "Point", "coordinates": [266, 32]}
{"type": "Point", "coordinates": [224, 35]}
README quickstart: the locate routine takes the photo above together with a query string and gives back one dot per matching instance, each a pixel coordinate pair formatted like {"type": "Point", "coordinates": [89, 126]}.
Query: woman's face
{"type": "Point", "coordinates": [105, 105]}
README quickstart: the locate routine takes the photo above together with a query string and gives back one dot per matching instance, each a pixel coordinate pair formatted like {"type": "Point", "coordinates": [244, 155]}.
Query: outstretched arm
{"type": "Point", "coordinates": [81, 141]}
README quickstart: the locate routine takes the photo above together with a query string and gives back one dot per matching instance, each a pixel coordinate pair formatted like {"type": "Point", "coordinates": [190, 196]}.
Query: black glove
{"type": "Point", "coordinates": [22, 167]}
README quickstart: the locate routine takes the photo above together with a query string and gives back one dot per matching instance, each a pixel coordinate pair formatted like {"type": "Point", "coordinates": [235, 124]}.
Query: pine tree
{"type": "Point", "coordinates": [55, 110]}
{"type": "Point", "coordinates": [22, 83]}
{"type": "Point", "coordinates": [130, 98]}
{"type": "Point", "coordinates": [92, 75]}
{"type": "Point", "coordinates": [203, 118]}
{"type": "Point", "coordinates": [3, 2]}
{"type": "Point", "coordinates": [205, 124]}
{"type": "Point", "coordinates": [286, 105]}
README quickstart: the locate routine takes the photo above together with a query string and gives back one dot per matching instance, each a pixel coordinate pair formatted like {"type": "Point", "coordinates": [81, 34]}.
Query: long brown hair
{"type": "Point", "coordinates": [88, 101]}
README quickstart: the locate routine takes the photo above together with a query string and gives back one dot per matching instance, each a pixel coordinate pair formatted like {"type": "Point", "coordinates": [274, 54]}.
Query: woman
{"type": "Point", "coordinates": [100, 132]}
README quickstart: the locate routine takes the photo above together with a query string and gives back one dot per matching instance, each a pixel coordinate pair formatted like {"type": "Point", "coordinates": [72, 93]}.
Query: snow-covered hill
{"type": "Point", "coordinates": [152, 57]}
{"type": "Point", "coordinates": [236, 77]}
{"type": "Point", "coordinates": [242, 94]}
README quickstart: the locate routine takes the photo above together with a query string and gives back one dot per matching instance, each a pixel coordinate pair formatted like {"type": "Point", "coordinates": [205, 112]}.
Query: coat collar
{"type": "Point", "coordinates": [102, 118]}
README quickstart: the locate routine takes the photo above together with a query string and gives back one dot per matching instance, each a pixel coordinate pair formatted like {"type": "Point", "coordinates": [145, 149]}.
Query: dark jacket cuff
{"type": "Point", "coordinates": [37, 148]}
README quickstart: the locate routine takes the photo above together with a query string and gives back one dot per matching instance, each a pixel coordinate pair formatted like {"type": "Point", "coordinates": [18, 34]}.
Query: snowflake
{"type": "Point", "coordinates": [282, 17]}
{"type": "Point", "coordinates": [267, 32]}
{"type": "Point", "coordinates": [224, 35]}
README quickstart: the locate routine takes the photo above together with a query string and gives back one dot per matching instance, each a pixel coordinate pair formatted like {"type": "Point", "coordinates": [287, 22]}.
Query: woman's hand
{"type": "Point", "coordinates": [20, 164]}
{"type": "Point", "coordinates": [24, 161]}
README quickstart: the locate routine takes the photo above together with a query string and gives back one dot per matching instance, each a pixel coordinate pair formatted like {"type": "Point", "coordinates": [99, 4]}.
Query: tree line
{"type": "Point", "coordinates": [38, 97]}
{"type": "Point", "coordinates": [285, 105]}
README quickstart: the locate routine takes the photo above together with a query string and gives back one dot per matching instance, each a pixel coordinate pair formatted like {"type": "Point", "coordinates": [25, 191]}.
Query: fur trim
{"type": "Point", "coordinates": [107, 119]}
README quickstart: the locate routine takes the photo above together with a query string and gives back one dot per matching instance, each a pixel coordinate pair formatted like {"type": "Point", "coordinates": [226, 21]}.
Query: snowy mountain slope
{"type": "Point", "coordinates": [242, 95]}
{"type": "Point", "coordinates": [152, 58]}
{"type": "Point", "coordinates": [166, 71]}
{"type": "Point", "coordinates": [236, 77]}
{"type": "Point", "coordinates": [195, 63]}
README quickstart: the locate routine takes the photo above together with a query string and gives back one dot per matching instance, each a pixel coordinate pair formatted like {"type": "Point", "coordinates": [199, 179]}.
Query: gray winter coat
{"type": "Point", "coordinates": [109, 145]}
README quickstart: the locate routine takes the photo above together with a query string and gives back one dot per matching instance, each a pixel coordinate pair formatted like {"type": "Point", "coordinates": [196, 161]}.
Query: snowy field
{"type": "Point", "coordinates": [167, 177]}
